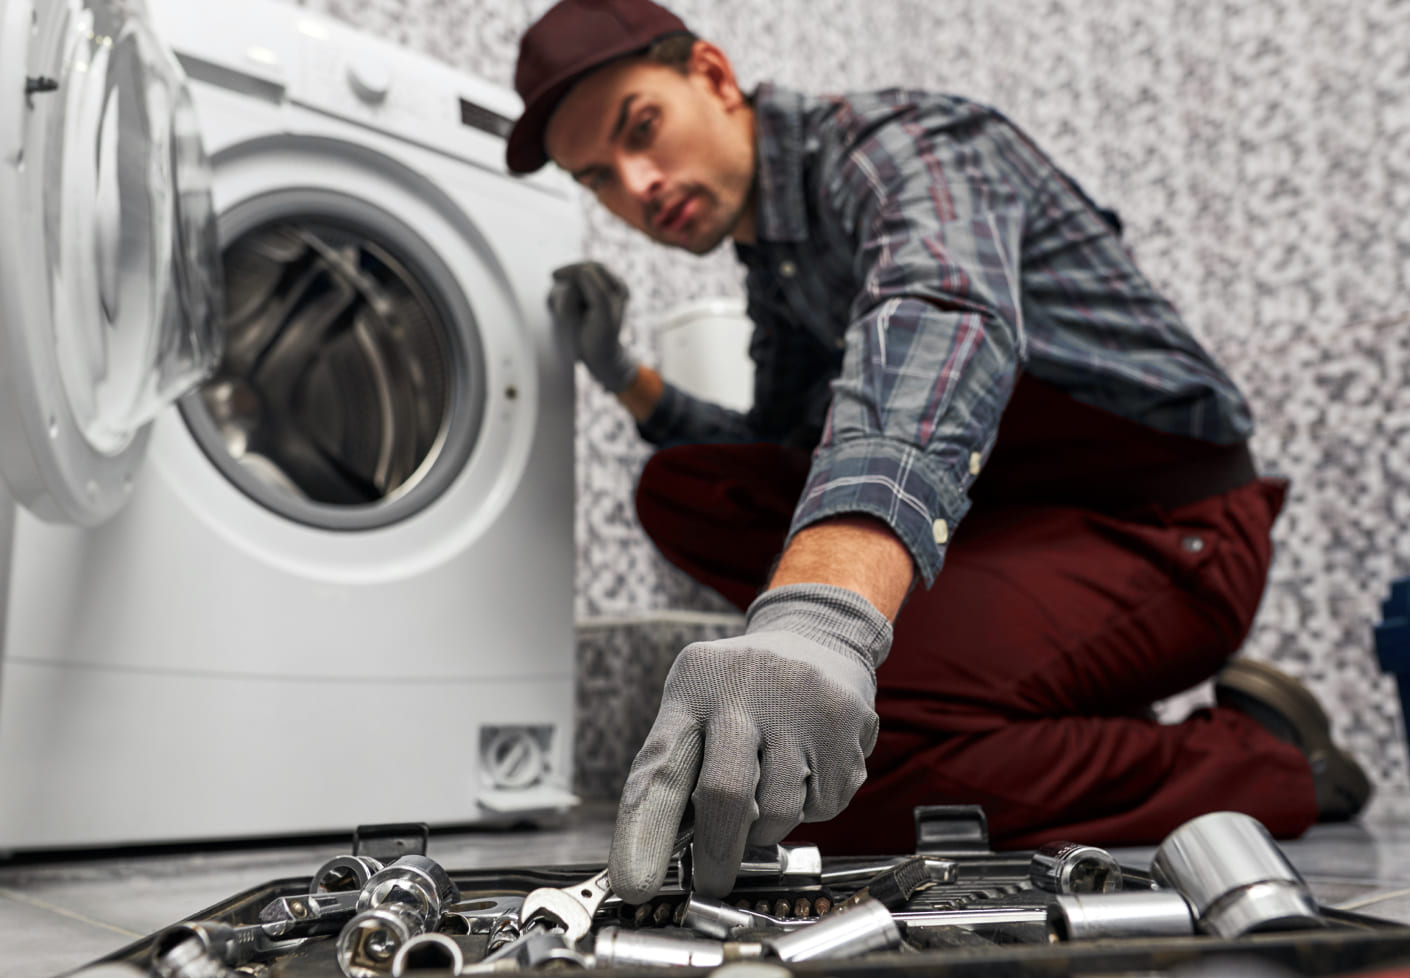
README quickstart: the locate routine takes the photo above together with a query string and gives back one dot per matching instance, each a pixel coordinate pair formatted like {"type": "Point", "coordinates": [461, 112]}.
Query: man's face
{"type": "Point", "coordinates": [670, 154]}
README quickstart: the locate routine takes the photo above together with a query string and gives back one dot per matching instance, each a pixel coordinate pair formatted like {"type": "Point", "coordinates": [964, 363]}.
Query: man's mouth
{"type": "Point", "coordinates": [674, 217]}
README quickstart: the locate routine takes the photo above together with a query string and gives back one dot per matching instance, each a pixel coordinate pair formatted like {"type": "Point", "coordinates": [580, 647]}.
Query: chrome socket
{"type": "Point", "coordinates": [343, 873]}
{"type": "Point", "coordinates": [370, 942]}
{"type": "Point", "coordinates": [617, 948]}
{"type": "Point", "coordinates": [1138, 913]}
{"type": "Point", "coordinates": [208, 948]}
{"type": "Point", "coordinates": [712, 917]}
{"type": "Point", "coordinates": [412, 881]}
{"type": "Point", "coordinates": [1235, 877]}
{"type": "Point", "coordinates": [844, 933]}
{"type": "Point", "coordinates": [428, 952]}
{"type": "Point", "coordinates": [1067, 867]}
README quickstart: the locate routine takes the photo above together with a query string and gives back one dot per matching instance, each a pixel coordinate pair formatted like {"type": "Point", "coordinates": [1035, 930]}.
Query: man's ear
{"type": "Point", "coordinates": [713, 67]}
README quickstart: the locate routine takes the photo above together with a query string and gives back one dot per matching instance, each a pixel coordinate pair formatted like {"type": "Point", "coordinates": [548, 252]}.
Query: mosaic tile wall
{"type": "Point", "coordinates": [1259, 151]}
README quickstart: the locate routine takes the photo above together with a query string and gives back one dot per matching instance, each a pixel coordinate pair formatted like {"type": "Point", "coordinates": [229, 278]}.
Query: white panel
{"type": "Point", "coordinates": [91, 756]}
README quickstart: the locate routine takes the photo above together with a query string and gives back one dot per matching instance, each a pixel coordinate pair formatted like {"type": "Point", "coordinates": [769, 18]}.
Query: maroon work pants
{"type": "Point", "coordinates": [1022, 679]}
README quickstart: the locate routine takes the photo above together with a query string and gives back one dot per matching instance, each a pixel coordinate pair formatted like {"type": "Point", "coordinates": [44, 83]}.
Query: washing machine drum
{"type": "Point", "coordinates": [334, 382]}
{"type": "Point", "coordinates": [343, 399]}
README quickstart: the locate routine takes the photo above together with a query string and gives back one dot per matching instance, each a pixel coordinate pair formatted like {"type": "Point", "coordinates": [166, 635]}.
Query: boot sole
{"type": "Point", "coordinates": [1279, 691]}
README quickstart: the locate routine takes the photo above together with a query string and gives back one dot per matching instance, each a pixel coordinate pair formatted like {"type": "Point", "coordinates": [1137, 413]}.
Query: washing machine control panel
{"type": "Point", "coordinates": [320, 64]}
{"type": "Point", "coordinates": [404, 94]}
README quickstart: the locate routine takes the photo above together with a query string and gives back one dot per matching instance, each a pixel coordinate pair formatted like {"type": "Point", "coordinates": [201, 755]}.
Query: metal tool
{"type": "Point", "coordinates": [715, 918]}
{"type": "Point", "coordinates": [208, 949]}
{"type": "Point", "coordinates": [844, 933]}
{"type": "Point", "coordinates": [1067, 867]}
{"type": "Point", "coordinates": [396, 904]}
{"type": "Point", "coordinates": [895, 885]}
{"type": "Point", "coordinates": [572, 908]}
{"type": "Point", "coordinates": [1139, 913]}
{"type": "Point", "coordinates": [617, 948]}
{"type": "Point", "coordinates": [428, 952]}
{"type": "Point", "coordinates": [342, 874]}
{"type": "Point", "coordinates": [536, 949]}
{"type": "Point", "coordinates": [793, 866]}
{"type": "Point", "coordinates": [941, 870]}
{"type": "Point", "coordinates": [1236, 878]}
{"type": "Point", "coordinates": [971, 918]}
{"type": "Point", "coordinates": [483, 915]}
{"type": "Point", "coordinates": [331, 909]}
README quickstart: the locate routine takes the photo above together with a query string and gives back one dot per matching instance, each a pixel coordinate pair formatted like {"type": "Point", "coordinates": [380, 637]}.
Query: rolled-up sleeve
{"type": "Point", "coordinates": [935, 337]}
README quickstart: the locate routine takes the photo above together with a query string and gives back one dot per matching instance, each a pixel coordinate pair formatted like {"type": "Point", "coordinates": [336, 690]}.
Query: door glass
{"type": "Point", "coordinates": [337, 382]}
{"type": "Point", "coordinates": [133, 255]}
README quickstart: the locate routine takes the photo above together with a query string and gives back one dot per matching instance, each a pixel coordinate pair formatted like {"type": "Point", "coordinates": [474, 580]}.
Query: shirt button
{"type": "Point", "coordinates": [1192, 544]}
{"type": "Point", "coordinates": [840, 343]}
{"type": "Point", "coordinates": [942, 532]}
{"type": "Point", "coordinates": [787, 269]}
{"type": "Point", "coordinates": [974, 461]}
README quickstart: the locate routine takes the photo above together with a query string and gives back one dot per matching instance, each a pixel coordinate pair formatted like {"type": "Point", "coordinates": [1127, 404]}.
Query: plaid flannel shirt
{"type": "Point", "coordinates": [915, 252]}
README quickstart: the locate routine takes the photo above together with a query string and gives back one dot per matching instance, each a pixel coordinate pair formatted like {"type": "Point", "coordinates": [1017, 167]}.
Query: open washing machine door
{"type": "Point", "coordinates": [109, 264]}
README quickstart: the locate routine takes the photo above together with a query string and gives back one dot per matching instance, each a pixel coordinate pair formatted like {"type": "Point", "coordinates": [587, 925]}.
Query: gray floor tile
{"type": "Point", "coordinates": [43, 939]}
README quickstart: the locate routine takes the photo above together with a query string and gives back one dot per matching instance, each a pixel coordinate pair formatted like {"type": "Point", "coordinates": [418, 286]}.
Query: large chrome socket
{"type": "Point", "coordinates": [1235, 877]}
{"type": "Point", "coordinates": [846, 933]}
{"type": "Point", "coordinates": [1137, 913]}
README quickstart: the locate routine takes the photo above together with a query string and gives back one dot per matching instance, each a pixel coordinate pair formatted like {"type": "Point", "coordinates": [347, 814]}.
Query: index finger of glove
{"type": "Point", "coordinates": [654, 800]}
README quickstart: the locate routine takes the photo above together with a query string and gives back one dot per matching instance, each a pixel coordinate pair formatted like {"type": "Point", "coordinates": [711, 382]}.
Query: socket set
{"type": "Point", "coordinates": [1218, 898]}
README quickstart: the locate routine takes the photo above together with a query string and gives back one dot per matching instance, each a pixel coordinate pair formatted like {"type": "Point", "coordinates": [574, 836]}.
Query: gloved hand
{"type": "Point", "coordinates": [588, 301]}
{"type": "Point", "coordinates": [762, 732]}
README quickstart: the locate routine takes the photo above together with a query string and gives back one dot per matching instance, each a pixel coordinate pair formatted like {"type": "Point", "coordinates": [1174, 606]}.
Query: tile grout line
{"type": "Point", "coordinates": [52, 908]}
{"type": "Point", "coordinates": [1361, 903]}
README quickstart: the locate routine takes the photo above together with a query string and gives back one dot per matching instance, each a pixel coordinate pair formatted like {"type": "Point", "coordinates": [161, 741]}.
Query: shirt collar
{"type": "Point", "coordinates": [779, 125]}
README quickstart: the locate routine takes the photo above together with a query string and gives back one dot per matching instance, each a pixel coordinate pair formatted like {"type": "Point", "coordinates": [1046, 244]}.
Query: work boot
{"type": "Point", "coordinates": [1287, 709]}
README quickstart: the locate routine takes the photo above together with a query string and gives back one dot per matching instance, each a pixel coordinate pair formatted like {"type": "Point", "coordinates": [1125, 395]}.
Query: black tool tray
{"type": "Point", "coordinates": [982, 879]}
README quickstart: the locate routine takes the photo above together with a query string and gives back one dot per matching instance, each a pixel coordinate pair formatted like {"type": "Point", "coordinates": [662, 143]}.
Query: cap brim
{"type": "Point", "coordinates": [525, 152]}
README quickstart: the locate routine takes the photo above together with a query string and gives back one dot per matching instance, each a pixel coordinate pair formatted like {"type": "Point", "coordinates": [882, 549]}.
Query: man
{"type": "Point", "coordinates": [947, 329]}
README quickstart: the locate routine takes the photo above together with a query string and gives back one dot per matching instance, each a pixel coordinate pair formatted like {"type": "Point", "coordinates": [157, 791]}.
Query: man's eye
{"type": "Point", "coordinates": [641, 132]}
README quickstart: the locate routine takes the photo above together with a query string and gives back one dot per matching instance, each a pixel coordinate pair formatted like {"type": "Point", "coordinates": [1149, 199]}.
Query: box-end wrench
{"type": "Point", "coordinates": [572, 908]}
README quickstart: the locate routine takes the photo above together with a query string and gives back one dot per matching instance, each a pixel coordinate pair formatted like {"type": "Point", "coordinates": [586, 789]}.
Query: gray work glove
{"type": "Point", "coordinates": [588, 301]}
{"type": "Point", "coordinates": [761, 732]}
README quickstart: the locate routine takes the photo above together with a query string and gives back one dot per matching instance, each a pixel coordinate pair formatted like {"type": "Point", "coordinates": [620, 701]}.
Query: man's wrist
{"type": "Point", "coordinates": [641, 396]}
{"type": "Point", "coordinates": [835, 617]}
{"type": "Point", "coordinates": [860, 553]}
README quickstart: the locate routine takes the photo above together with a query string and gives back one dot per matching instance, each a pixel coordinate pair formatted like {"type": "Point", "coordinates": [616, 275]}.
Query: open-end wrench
{"type": "Point", "coordinates": [572, 908]}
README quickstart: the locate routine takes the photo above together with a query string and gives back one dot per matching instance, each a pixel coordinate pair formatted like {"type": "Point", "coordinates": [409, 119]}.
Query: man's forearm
{"type": "Point", "coordinates": [641, 398]}
{"type": "Point", "coordinates": [859, 553]}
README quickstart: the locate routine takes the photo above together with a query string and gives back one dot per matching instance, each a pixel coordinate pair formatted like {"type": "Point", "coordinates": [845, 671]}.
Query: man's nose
{"type": "Point", "coordinates": [641, 178]}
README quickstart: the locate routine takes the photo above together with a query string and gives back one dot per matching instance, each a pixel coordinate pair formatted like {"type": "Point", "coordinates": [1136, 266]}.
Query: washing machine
{"type": "Point", "coordinates": [286, 436]}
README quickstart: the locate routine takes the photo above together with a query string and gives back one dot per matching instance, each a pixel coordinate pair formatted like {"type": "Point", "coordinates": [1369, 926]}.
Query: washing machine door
{"type": "Point", "coordinates": [109, 282]}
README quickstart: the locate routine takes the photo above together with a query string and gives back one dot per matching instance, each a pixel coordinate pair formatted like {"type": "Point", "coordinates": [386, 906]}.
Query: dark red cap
{"type": "Point", "coordinates": [572, 39]}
